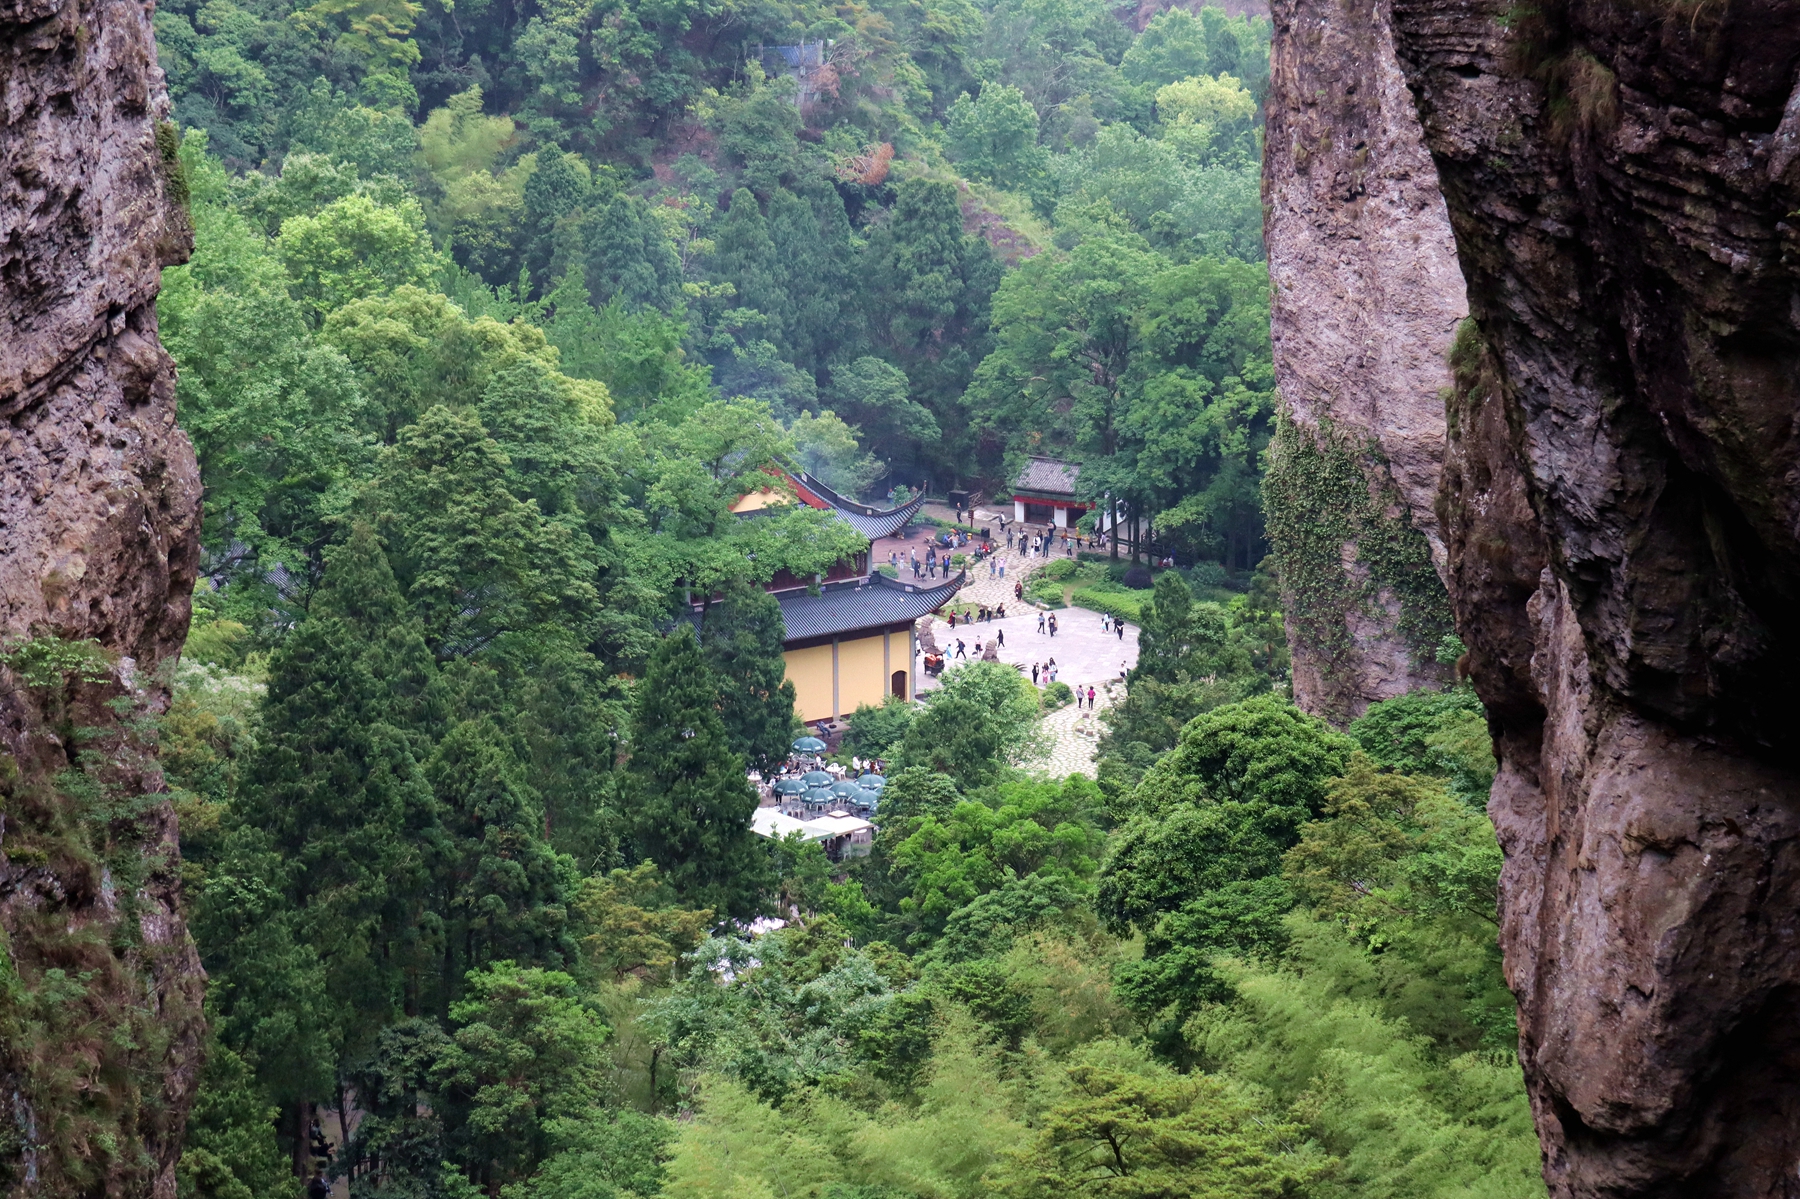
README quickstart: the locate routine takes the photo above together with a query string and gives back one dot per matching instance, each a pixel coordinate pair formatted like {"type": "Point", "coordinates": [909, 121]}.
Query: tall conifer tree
{"type": "Point", "coordinates": [742, 637]}
{"type": "Point", "coordinates": [930, 288]}
{"type": "Point", "coordinates": [746, 259]}
{"type": "Point", "coordinates": [688, 798]}
{"type": "Point", "coordinates": [628, 256]}
{"type": "Point", "coordinates": [337, 793]}
{"type": "Point", "coordinates": [499, 886]}
{"type": "Point", "coordinates": [558, 186]}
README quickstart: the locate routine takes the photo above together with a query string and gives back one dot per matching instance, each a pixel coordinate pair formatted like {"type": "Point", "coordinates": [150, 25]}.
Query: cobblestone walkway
{"type": "Point", "coordinates": [1073, 733]}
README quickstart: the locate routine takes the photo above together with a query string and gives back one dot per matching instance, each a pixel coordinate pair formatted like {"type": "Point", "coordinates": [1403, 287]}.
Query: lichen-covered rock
{"type": "Point", "coordinates": [99, 506]}
{"type": "Point", "coordinates": [1621, 508]}
{"type": "Point", "coordinates": [1366, 297]}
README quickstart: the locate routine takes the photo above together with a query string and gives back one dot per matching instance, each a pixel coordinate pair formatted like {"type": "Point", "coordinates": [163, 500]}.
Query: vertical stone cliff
{"type": "Point", "coordinates": [1366, 297]}
{"type": "Point", "coordinates": [1620, 508]}
{"type": "Point", "coordinates": [99, 506]}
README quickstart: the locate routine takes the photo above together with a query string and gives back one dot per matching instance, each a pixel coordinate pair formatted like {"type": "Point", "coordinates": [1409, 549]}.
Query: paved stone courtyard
{"type": "Point", "coordinates": [1084, 654]}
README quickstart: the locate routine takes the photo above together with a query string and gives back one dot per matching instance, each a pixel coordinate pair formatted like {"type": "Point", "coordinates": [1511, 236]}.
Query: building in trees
{"type": "Point", "coordinates": [853, 643]}
{"type": "Point", "coordinates": [1044, 493]}
{"type": "Point", "coordinates": [849, 636]}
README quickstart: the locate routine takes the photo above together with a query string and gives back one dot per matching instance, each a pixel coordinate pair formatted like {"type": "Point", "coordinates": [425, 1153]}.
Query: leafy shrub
{"type": "Point", "coordinates": [1107, 596]}
{"type": "Point", "coordinates": [875, 731]}
{"type": "Point", "coordinates": [1438, 733]}
{"type": "Point", "coordinates": [1057, 695]}
{"type": "Point", "coordinates": [1209, 574]}
{"type": "Point", "coordinates": [1062, 568]}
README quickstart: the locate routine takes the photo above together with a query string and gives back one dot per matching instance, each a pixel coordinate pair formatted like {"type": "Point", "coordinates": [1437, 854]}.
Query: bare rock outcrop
{"type": "Point", "coordinates": [1367, 294]}
{"type": "Point", "coordinates": [99, 510]}
{"type": "Point", "coordinates": [1621, 509]}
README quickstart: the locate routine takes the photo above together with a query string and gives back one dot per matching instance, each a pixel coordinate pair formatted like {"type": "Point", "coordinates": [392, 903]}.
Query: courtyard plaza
{"type": "Point", "coordinates": [1086, 654]}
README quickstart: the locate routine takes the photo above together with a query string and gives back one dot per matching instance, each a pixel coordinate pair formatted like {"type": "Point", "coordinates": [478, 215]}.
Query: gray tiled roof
{"type": "Point", "coordinates": [860, 604]}
{"type": "Point", "coordinates": [1049, 476]}
{"type": "Point", "coordinates": [873, 523]}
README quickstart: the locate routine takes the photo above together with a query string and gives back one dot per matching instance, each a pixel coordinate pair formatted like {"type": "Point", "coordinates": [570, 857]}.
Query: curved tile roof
{"type": "Point", "coordinates": [873, 523]}
{"type": "Point", "coordinates": [860, 604]}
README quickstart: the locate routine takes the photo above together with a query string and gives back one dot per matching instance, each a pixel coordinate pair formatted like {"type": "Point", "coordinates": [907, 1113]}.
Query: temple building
{"type": "Point", "coordinates": [1044, 493]}
{"type": "Point", "coordinates": [851, 641]}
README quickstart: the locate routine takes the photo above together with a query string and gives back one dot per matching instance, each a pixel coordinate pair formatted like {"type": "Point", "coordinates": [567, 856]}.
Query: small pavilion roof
{"type": "Point", "coordinates": [1048, 476]}
{"type": "Point", "coordinates": [771, 823]}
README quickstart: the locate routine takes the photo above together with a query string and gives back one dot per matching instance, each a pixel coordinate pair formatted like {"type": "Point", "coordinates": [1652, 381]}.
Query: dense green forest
{"type": "Point", "coordinates": [983, 233]}
{"type": "Point", "coordinates": [494, 312]}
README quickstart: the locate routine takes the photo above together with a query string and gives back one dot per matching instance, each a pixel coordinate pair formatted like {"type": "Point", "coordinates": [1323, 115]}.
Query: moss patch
{"type": "Point", "coordinates": [86, 1027]}
{"type": "Point", "coordinates": [1344, 542]}
{"type": "Point", "coordinates": [168, 147]}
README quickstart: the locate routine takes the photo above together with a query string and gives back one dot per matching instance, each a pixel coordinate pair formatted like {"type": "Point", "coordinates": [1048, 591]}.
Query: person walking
{"type": "Point", "coordinates": [1000, 634]}
{"type": "Point", "coordinates": [1040, 622]}
{"type": "Point", "coordinates": [1053, 624]}
{"type": "Point", "coordinates": [962, 651]}
{"type": "Point", "coordinates": [1090, 697]}
{"type": "Point", "coordinates": [1019, 591]}
{"type": "Point", "coordinates": [1051, 667]}
{"type": "Point", "coordinates": [1034, 674]}
{"type": "Point", "coordinates": [1119, 628]}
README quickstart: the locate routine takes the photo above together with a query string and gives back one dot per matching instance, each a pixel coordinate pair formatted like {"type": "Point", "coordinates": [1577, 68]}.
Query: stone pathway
{"type": "Point", "coordinates": [1073, 735]}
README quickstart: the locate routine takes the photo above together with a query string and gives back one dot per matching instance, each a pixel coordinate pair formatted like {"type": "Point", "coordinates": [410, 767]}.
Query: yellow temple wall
{"type": "Point", "coordinates": [859, 673]}
{"type": "Point", "coordinates": [864, 670]}
{"type": "Point", "coordinates": [809, 670]}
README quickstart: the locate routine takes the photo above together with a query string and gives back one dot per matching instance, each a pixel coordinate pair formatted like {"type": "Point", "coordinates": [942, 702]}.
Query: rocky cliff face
{"type": "Point", "coordinates": [1367, 294]}
{"type": "Point", "coordinates": [99, 507]}
{"type": "Point", "coordinates": [1620, 507]}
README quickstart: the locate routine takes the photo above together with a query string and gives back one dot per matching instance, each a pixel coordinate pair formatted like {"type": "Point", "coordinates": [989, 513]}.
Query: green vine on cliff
{"type": "Point", "coordinates": [168, 149]}
{"type": "Point", "coordinates": [85, 1034]}
{"type": "Point", "coordinates": [1331, 507]}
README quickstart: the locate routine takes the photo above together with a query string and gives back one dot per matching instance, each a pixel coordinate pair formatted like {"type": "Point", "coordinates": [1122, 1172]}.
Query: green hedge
{"type": "Point", "coordinates": [1120, 600]}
